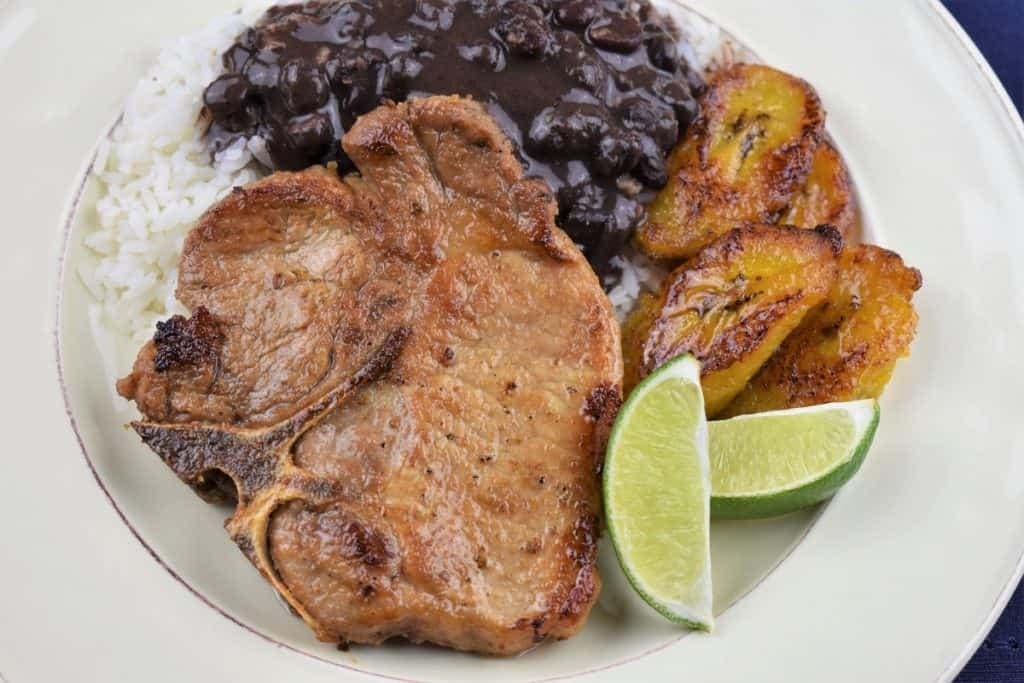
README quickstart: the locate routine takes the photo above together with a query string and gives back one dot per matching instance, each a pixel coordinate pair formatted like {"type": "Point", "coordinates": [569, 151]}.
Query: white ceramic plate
{"type": "Point", "coordinates": [898, 579]}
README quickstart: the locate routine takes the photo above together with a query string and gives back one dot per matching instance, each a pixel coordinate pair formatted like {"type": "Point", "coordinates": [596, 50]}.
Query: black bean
{"type": "Point", "coordinates": [402, 69]}
{"type": "Point", "coordinates": [568, 127]}
{"type": "Point", "coordinates": [583, 212]}
{"type": "Point", "coordinates": [650, 170]}
{"type": "Point", "coordinates": [686, 112]}
{"type": "Point", "coordinates": [696, 83]}
{"type": "Point", "coordinates": [226, 95]}
{"type": "Point", "coordinates": [354, 77]}
{"type": "Point", "coordinates": [598, 220]}
{"type": "Point", "coordinates": [591, 74]}
{"type": "Point", "coordinates": [338, 76]}
{"type": "Point", "coordinates": [362, 61]}
{"type": "Point", "coordinates": [577, 14]}
{"type": "Point", "coordinates": [281, 149]}
{"type": "Point", "coordinates": [570, 45]}
{"type": "Point", "coordinates": [617, 154]}
{"type": "Point", "coordinates": [661, 50]}
{"type": "Point", "coordinates": [666, 131]}
{"type": "Point", "coordinates": [523, 28]}
{"type": "Point", "coordinates": [636, 78]}
{"type": "Point", "coordinates": [242, 121]}
{"type": "Point", "coordinates": [349, 20]}
{"type": "Point", "coordinates": [303, 87]}
{"type": "Point", "coordinates": [615, 32]}
{"type": "Point", "coordinates": [679, 97]}
{"type": "Point", "coordinates": [311, 132]}
{"type": "Point", "coordinates": [581, 196]}
{"type": "Point", "coordinates": [236, 58]}
{"type": "Point", "coordinates": [360, 98]}
{"type": "Point", "coordinates": [262, 75]}
{"type": "Point", "coordinates": [652, 118]}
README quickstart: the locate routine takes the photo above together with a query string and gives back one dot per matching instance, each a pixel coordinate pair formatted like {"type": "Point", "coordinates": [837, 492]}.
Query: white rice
{"type": "Point", "coordinates": [156, 178]}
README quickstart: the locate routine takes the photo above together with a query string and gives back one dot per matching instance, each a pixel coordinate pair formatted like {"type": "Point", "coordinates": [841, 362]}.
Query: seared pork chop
{"type": "Point", "coordinates": [405, 378]}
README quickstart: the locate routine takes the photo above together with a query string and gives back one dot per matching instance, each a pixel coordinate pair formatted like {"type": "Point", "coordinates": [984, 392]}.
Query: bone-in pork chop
{"type": "Point", "coordinates": [405, 378]}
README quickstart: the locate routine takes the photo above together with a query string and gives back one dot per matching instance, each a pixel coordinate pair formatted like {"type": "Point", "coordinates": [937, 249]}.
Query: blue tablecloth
{"type": "Point", "coordinates": [997, 27]}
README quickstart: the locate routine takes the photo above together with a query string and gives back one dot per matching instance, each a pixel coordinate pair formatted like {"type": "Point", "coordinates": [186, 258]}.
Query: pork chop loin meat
{"type": "Point", "coordinates": [405, 378]}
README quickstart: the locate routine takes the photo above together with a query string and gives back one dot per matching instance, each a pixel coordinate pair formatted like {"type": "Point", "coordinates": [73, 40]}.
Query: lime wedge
{"type": "Point", "coordinates": [656, 493]}
{"type": "Point", "coordinates": [768, 464]}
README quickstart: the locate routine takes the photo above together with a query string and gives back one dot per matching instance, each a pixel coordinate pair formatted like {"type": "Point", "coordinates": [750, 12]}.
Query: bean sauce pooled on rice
{"type": "Point", "coordinates": [594, 93]}
{"type": "Point", "coordinates": [154, 176]}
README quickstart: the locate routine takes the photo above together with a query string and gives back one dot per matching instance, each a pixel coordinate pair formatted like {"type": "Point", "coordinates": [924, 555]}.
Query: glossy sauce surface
{"type": "Point", "coordinates": [593, 92]}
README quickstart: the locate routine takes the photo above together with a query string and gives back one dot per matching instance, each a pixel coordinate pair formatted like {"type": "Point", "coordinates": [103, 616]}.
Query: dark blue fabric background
{"type": "Point", "coordinates": [997, 27]}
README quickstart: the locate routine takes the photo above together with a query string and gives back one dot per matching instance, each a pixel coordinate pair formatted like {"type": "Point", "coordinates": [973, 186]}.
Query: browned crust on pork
{"type": "Point", "coordinates": [447, 156]}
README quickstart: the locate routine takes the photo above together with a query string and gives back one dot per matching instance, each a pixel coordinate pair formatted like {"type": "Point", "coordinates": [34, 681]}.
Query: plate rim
{"type": "Point", "coordinates": [1016, 122]}
{"type": "Point", "coordinates": [1016, 125]}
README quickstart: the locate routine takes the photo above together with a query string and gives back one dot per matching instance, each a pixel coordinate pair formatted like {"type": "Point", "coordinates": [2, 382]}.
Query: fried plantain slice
{"type": "Point", "coordinates": [733, 304]}
{"type": "Point", "coordinates": [634, 333]}
{"type": "Point", "coordinates": [826, 197]}
{"type": "Point", "coordinates": [847, 348]}
{"type": "Point", "coordinates": [742, 160]}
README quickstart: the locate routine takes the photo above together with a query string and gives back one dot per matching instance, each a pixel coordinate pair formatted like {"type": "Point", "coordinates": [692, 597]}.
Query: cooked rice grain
{"type": "Point", "coordinates": [155, 179]}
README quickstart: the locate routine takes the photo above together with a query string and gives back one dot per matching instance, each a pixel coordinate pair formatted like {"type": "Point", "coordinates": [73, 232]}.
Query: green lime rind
{"type": "Point", "coordinates": [631, 464]}
{"type": "Point", "coordinates": [785, 500]}
{"type": "Point", "coordinates": [670, 613]}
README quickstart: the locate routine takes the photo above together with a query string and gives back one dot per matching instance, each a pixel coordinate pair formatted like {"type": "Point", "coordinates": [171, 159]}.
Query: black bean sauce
{"type": "Point", "coordinates": [593, 92]}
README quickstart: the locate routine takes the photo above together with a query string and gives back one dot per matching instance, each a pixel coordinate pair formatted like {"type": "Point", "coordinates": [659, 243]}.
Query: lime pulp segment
{"type": "Point", "coordinates": [657, 488]}
{"type": "Point", "coordinates": [768, 464]}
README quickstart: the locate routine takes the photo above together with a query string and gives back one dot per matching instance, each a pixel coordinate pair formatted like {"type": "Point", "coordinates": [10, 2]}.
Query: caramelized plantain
{"type": "Point", "coordinates": [742, 160]}
{"type": "Point", "coordinates": [826, 197]}
{"type": "Point", "coordinates": [847, 348]}
{"type": "Point", "coordinates": [733, 304]}
{"type": "Point", "coordinates": [634, 333]}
